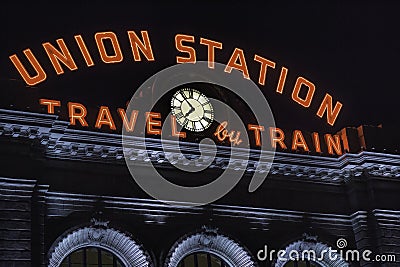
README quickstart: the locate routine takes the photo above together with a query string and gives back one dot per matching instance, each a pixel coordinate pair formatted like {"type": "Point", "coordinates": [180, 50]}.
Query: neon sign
{"type": "Point", "coordinates": [61, 59]}
{"type": "Point", "coordinates": [297, 141]}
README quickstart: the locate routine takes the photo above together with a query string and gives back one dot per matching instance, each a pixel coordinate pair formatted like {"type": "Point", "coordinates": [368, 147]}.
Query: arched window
{"type": "Point", "coordinates": [92, 257]}
{"type": "Point", "coordinates": [97, 246]}
{"type": "Point", "coordinates": [208, 248]}
{"type": "Point", "coordinates": [202, 259]}
{"type": "Point", "coordinates": [319, 249]}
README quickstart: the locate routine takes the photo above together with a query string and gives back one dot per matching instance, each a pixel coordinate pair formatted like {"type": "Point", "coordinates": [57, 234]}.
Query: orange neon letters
{"type": "Point", "coordinates": [151, 123]}
{"type": "Point", "coordinates": [50, 104]}
{"type": "Point", "coordinates": [333, 144]}
{"type": "Point", "coordinates": [129, 124]}
{"type": "Point", "coordinates": [257, 129]}
{"type": "Point", "coordinates": [211, 51]}
{"type": "Point", "coordinates": [137, 44]}
{"type": "Point", "coordinates": [265, 63]}
{"type": "Point", "coordinates": [100, 37]}
{"type": "Point", "coordinates": [277, 136]}
{"type": "Point", "coordinates": [317, 144]}
{"type": "Point", "coordinates": [84, 50]}
{"type": "Point", "coordinates": [282, 80]}
{"type": "Point", "coordinates": [306, 102]}
{"type": "Point", "coordinates": [326, 106]}
{"type": "Point", "coordinates": [241, 66]}
{"type": "Point", "coordinates": [299, 141]}
{"type": "Point", "coordinates": [104, 118]}
{"type": "Point", "coordinates": [175, 130]}
{"type": "Point", "coordinates": [179, 38]}
{"type": "Point", "coordinates": [74, 115]}
{"type": "Point", "coordinates": [56, 56]}
{"type": "Point", "coordinates": [30, 80]}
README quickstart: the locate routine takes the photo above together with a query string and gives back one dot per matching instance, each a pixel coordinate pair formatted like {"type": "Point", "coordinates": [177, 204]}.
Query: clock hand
{"type": "Point", "coordinates": [190, 111]}
{"type": "Point", "coordinates": [186, 99]}
{"type": "Point", "coordinates": [190, 105]}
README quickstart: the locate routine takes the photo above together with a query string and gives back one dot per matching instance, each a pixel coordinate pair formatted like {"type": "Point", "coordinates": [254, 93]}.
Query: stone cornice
{"type": "Point", "coordinates": [58, 141]}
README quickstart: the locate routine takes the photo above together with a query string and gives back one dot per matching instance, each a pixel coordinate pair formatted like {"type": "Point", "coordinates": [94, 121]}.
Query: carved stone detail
{"type": "Point", "coordinates": [210, 241]}
{"type": "Point", "coordinates": [121, 245]}
{"type": "Point", "coordinates": [96, 234]}
{"type": "Point", "coordinates": [57, 141]}
{"type": "Point", "coordinates": [317, 247]}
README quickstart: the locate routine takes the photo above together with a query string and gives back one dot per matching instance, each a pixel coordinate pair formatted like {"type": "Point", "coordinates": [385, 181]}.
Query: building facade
{"type": "Point", "coordinates": [67, 199]}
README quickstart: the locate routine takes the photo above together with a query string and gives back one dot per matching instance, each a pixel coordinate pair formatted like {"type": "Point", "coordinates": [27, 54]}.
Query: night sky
{"type": "Point", "coordinates": [349, 50]}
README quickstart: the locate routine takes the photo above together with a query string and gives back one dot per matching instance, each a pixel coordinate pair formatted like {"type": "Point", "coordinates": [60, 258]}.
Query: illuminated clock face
{"type": "Point", "coordinates": [192, 109]}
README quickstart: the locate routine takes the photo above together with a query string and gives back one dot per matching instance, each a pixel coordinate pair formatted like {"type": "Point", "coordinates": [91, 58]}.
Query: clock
{"type": "Point", "coordinates": [192, 109]}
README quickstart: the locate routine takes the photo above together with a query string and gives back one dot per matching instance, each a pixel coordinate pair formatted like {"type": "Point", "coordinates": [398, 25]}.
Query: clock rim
{"type": "Point", "coordinates": [201, 95]}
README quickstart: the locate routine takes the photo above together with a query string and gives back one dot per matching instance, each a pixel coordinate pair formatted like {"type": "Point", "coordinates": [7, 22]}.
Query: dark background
{"type": "Point", "coordinates": [349, 50]}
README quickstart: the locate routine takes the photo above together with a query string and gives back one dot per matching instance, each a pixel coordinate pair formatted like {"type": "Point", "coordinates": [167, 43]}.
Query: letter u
{"type": "Point", "coordinates": [30, 80]}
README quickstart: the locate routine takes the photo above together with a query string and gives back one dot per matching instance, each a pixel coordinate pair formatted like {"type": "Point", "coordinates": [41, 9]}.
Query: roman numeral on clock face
{"type": "Point", "coordinates": [176, 103]}
{"type": "Point", "coordinates": [192, 125]}
{"type": "Point", "coordinates": [179, 115]}
{"type": "Point", "coordinates": [203, 123]}
{"type": "Point", "coordinates": [208, 120]}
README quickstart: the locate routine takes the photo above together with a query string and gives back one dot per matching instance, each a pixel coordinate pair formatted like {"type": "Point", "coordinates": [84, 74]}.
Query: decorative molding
{"type": "Point", "coordinates": [57, 141]}
{"type": "Point", "coordinates": [209, 241]}
{"type": "Point", "coordinates": [310, 238]}
{"type": "Point", "coordinates": [153, 211]}
{"type": "Point", "coordinates": [99, 222]}
{"type": "Point", "coordinates": [121, 245]}
{"type": "Point", "coordinates": [310, 244]}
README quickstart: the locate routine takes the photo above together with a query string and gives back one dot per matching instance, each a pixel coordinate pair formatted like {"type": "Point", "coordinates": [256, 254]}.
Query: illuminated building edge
{"type": "Point", "coordinates": [61, 205]}
{"type": "Point", "coordinates": [374, 226]}
{"type": "Point", "coordinates": [57, 141]}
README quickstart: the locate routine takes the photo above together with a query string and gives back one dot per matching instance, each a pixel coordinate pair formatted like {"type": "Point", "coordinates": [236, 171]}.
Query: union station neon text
{"type": "Point", "coordinates": [60, 57]}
